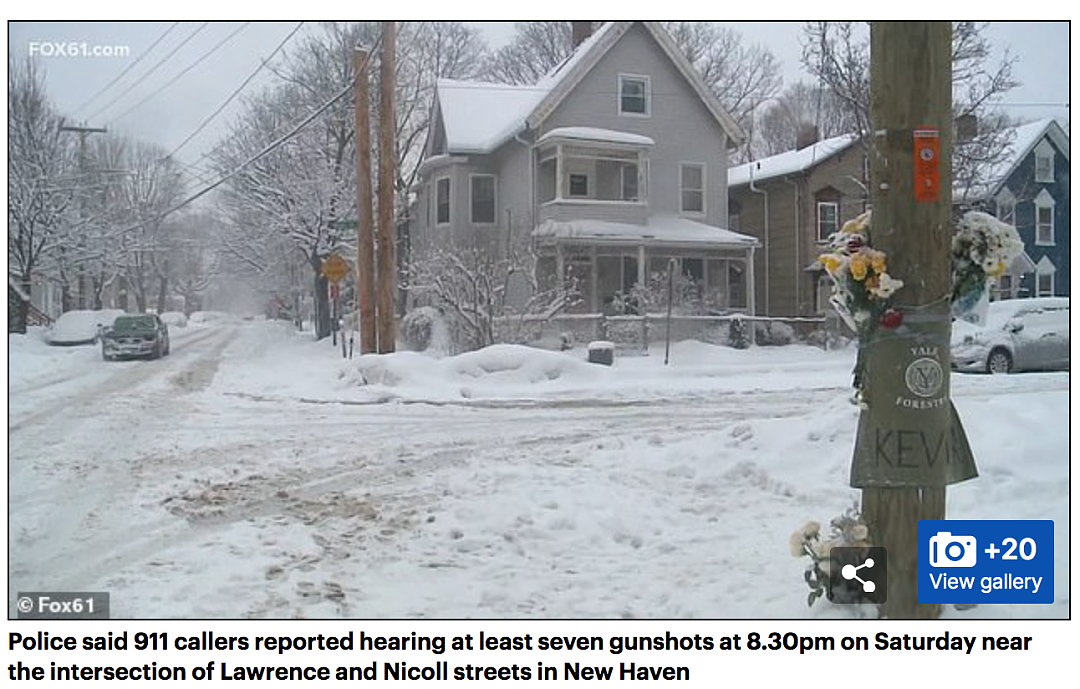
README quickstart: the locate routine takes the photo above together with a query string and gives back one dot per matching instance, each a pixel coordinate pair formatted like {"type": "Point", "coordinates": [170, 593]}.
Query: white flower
{"type": "Point", "coordinates": [887, 286]}
{"type": "Point", "coordinates": [798, 544]}
{"type": "Point", "coordinates": [859, 532]}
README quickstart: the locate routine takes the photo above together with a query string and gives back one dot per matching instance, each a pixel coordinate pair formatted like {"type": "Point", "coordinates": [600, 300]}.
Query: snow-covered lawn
{"type": "Point", "coordinates": [255, 473]}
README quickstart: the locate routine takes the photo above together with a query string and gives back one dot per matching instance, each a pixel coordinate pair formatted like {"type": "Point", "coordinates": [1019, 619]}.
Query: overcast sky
{"type": "Point", "coordinates": [140, 103]}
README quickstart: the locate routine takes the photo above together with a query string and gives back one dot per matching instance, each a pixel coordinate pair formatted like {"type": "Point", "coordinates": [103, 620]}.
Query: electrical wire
{"type": "Point", "coordinates": [187, 69]}
{"type": "Point", "coordinates": [150, 71]}
{"type": "Point", "coordinates": [130, 67]}
{"type": "Point", "coordinates": [236, 93]}
{"type": "Point", "coordinates": [265, 151]}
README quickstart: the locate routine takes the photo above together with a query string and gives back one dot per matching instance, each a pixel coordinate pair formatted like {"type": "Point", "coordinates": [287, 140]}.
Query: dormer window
{"type": "Point", "coordinates": [634, 95]}
{"type": "Point", "coordinates": [1044, 163]}
{"type": "Point", "coordinates": [1044, 168]}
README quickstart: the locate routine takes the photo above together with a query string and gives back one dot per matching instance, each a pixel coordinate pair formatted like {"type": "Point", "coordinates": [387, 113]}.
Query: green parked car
{"type": "Point", "coordinates": [135, 335]}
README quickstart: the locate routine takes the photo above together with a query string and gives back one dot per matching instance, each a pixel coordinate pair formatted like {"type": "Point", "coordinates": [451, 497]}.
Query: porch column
{"type": "Point", "coordinates": [751, 302]}
{"type": "Point", "coordinates": [642, 274]}
{"type": "Point", "coordinates": [558, 172]}
{"type": "Point", "coordinates": [594, 279]}
{"type": "Point", "coordinates": [560, 267]}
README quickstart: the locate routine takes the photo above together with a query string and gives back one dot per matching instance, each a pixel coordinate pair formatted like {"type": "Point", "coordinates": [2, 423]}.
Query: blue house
{"type": "Point", "coordinates": [1030, 190]}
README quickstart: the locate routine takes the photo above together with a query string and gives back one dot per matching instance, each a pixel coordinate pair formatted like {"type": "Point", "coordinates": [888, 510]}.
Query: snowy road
{"type": "Point", "coordinates": [249, 475]}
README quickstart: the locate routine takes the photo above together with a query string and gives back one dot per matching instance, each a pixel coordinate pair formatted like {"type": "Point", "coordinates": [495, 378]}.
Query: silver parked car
{"type": "Point", "coordinates": [1019, 335]}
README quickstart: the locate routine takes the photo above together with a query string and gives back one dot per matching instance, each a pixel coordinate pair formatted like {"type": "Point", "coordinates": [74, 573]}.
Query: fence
{"type": "Point", "coordinates": [634, 333]}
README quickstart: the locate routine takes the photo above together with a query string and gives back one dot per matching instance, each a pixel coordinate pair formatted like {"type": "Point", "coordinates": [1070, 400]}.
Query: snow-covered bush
{"type": "Point", "coordinates": [739, 333]}
{"type": "Point", "coordinates": [774, 334]}
{"type": "Point", "coordinates": [417, 327]}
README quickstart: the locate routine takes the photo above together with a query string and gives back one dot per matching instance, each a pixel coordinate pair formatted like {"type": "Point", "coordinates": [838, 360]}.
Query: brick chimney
{"type": "Point", "coordinates": [580, 32]}
{"type": "Point", "coordinates": [806, 136]}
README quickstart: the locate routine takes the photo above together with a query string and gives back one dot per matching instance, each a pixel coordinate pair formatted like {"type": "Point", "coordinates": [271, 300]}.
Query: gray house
{"type": "Point", "coordinates": [611, 166]}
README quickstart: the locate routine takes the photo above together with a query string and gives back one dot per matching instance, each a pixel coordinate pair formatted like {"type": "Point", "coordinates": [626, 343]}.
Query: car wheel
{"type": "Point", "coordinates": [999, 361]}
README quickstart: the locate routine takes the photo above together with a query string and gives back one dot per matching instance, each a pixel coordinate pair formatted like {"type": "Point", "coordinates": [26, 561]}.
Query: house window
{"type": "Point", "coordinates": [442, 201]}
{"type": "Point", "coordinates": [634, 95]}
{"type": "Point", "coordinates": [579, 185]}
{"type": "Point", "coordinates": [1044, 167]}
{"type": "Point", "coordinates": [1044, 285]}
{"type": "Point", "coordinates": [823, 294]}
{"type": "Point", "coordinates": [828, 219]}
{"type": "Point", "coordinates": [482, 196]}
{"type": "Point", "coordinates": [1044, 219]}
{"type": "Point", "coordinates": [692, 184]}
{"type": "Point", "coordinates": [1005, 287]}
{"type": "Point", "coordinates": [630, 183]}
{"type": "Point", "coordinates": [734, 215]}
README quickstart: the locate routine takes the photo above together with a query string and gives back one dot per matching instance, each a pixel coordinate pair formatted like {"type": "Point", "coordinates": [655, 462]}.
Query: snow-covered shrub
{"type": "Point", "coordinates": [739, 333]}
{"type": "Point", "coordinates": [417, 327]}
{"type": "Point", "coordinates": [774, 334]}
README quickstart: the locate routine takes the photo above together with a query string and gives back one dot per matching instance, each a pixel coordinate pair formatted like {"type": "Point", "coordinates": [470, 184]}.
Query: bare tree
{"type": "Point", "coordinates": [151, 186]}
{"type": "Point", "coordinates": [536, 49]}
{"type": "Point", "coordinates": [40, 185]}
{"type": "Point", "coordinates": [304, 189]}
{"type": "Point", "coordinates": [487, 297]}
{"type": "Point", "coordinates": [800, 105]}
{"type": "Point", "coordinates": [838, 54]}
{"type": "Point", "coordinates": [742, 76]}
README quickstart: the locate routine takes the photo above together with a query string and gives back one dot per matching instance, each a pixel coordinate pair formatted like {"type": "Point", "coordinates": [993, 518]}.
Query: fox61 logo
{"type": "Point", "coordinates": [947, 550]}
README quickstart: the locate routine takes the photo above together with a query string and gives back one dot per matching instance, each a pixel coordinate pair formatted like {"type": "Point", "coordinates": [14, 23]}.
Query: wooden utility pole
{"type": "Point", "coordinates": [387, 283]}
{"type": "Point", "coordinates": [365, 259]}
{"type": "Point", "coordinates": [907, 446]}
{"type": "Point", "coordinates": [82, 132]}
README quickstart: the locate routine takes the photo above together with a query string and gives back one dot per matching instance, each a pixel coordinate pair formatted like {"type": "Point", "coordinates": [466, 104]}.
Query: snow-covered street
{"type": "Point", "coordinates": [255, 473]}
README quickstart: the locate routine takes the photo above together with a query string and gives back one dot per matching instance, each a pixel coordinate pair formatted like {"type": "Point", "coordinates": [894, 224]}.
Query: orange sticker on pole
{"type": "Point", "coordinates": [927, 165]}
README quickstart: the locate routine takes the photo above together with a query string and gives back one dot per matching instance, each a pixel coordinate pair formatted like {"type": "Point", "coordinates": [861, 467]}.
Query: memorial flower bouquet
{"type": "Point", "coordinates": [982, 250]}
{"type": "Point", "coordinates": [862, 286]}
{"type": "Point", "coordinates": [848, 530]}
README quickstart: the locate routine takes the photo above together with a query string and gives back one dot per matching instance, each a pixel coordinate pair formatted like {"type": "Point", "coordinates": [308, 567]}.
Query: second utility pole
{"type": "Point", "coordinates": [365, 258]}
{"type": "Point", "coordinates": [387, 273]}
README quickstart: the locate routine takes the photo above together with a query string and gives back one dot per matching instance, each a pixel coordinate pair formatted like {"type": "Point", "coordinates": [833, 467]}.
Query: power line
{"type": "Point", "coordinates": [236, 93]}
{"type": "Point", "coordinates": [127, 69]}
{"type": "Point", "coordinates": [265, 151]}
{"type": "Point", "coordinates": [187, 69]}
{"type": "Point", "coordinates": [150, 71]}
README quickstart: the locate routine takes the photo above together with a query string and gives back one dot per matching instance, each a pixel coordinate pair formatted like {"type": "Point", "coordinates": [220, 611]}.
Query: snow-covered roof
{"type": "Point", "coordinates": [478, 116]}
{"type": "Point", "coordinates": [789, 162]}
{"type": "Point", "coordinates": [1026, 137]}
{"type": "Point", "coordinates": [596, 134]}
{"type": "Point", "coordinates": [659, 231]}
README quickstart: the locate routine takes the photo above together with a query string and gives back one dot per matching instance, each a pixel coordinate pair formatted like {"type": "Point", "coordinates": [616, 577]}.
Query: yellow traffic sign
{"type": "Point", "coordinates": [335, 268]}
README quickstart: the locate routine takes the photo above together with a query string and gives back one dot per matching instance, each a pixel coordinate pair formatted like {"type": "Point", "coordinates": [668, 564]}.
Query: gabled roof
{"type": "Point", "coordinates": [479, 117]}
{"type": "Point", "coordinates": [568, 75]}
{"type": "Point", "coordinates": [1027, 137]}
{"type": "Point", "coordinates": [790, 162]}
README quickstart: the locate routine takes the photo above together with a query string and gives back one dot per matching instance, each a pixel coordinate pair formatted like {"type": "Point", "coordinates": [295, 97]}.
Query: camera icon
{"type": "Point", "coordinates": [947, 550]}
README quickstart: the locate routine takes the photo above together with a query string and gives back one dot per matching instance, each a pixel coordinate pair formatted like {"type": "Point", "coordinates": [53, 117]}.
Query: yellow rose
{"type": "Point", "coordinates": [858, 267]}
{"type": "Point", "coordinates": [831, 263]}
{"type": "Point", "coordinates": [877, 261]}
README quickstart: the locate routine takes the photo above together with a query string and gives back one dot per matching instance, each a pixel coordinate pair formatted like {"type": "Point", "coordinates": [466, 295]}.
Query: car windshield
{"type": "Point", "coordinates": [136, 323]}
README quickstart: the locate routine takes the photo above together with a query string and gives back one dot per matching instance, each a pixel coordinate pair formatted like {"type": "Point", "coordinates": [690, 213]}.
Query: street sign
{"type": "Point", "coordinates": [335, 268]}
